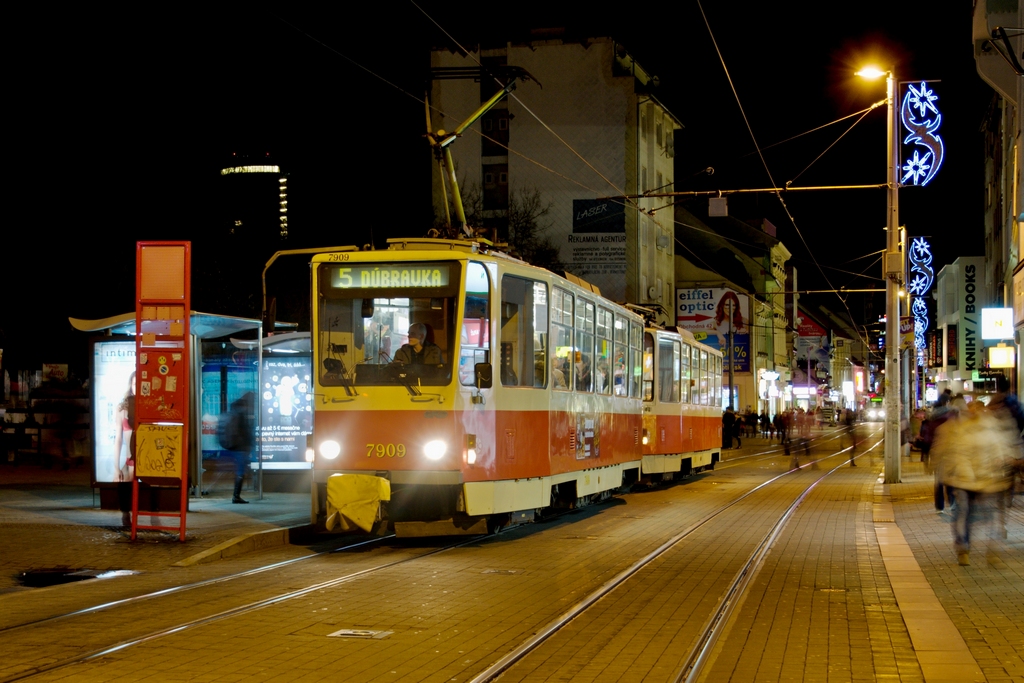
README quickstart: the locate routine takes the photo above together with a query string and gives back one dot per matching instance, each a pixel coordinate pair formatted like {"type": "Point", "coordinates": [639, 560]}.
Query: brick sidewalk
{"type": "Point", "coordinates": [51, 518]}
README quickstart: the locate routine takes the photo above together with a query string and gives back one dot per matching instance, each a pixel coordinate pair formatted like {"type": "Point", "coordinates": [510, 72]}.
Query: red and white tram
{"type": "Point", "coordinates": [540, 392]}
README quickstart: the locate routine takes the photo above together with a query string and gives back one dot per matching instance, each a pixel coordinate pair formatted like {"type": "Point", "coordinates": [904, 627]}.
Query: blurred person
{"type": "Point", "coordinates": [781, 424]}
{"type": "Point", "coordinates": [124, 453]}
{"type": "Point", "coordinates": [850, 423]}
{"type": "Point", "coordinates": [974, 454]}
{"type": "Point", "coordinates": [584, 378]}
{"type": "Point", "coordinates": [728, 424]}
{"type": "Point", "coordinates": [237, 435]}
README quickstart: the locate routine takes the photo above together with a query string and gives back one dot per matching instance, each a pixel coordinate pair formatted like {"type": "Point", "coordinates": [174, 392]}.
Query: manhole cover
{"type": "Point", "coordinates": [360, 633]}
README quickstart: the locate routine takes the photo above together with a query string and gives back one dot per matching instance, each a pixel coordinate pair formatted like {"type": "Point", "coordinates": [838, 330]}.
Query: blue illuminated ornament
{"type": "Point", "coordinates": [921, 267]}
{"type": "Point", "coordinates": [921, 119]}
{"type": "Point", "coordinates": [922, 277]}
{"type": "Point", "coordinates": [920, 310]}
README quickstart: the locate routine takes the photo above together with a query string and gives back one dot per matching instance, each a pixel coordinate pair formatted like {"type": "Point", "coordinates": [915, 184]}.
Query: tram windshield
{"type": "Point", "coordinates": [387, 323]}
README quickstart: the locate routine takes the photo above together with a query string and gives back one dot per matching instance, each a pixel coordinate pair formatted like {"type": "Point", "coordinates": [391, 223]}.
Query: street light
{"type": "Point", "coordinates": [893, 266]}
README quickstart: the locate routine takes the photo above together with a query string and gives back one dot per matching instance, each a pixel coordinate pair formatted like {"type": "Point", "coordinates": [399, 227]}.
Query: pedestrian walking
{"type": "Point", "coordinates": [728, 425]}
{"type": "Point", "coordinates": [975, 454]}
{"type": "Point", "coordinates": [236, 431]}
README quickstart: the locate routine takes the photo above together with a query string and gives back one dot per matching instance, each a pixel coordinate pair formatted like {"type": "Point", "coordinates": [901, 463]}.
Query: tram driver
{"type": "Point", "coordinates": [419, 351]}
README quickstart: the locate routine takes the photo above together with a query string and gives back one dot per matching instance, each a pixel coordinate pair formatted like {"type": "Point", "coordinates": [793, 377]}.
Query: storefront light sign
{"type": "Point", "coordinates": [848, 390]}
{"type": "Point", "coordinates": [997, 323]}
{"type": "Point", "coordinates": [1001, 357]}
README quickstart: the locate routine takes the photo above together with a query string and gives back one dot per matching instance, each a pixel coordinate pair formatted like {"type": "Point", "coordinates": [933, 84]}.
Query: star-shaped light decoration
{"type": "Point", "coordinates": [923, 98]}
{"type": "Point", "coordinates": [916, 168]}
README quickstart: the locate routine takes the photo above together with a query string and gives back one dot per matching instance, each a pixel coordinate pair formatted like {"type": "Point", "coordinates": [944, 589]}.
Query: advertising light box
{"type": "Point", "coordinates": [997, 323]}
{"type": "Point", "coordinates": [286, 402]}
{"type": "Point", "coordinates": [113, 407]}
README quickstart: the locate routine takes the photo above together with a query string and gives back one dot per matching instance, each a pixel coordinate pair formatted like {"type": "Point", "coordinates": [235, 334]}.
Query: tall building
{"type": "Point", "coordinates": [251, 224]}
{"type": "Point", "coordinates": [255, 197]}
{"type": "Point", "coordinates": [539, 168]}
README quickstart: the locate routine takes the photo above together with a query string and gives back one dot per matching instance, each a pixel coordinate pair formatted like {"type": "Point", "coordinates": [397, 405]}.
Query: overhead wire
{"type": "Point", "coordinates": [764, 163]}
{"type": "Point", "coordinates": [628, 202]}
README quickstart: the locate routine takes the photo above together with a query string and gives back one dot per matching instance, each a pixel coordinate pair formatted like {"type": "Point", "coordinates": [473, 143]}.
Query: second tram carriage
{"type": "Point", "coordinates": [543, 393]}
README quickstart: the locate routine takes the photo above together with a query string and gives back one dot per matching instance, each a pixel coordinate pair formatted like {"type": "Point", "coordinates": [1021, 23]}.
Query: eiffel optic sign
{"type": "Point", "coordinates": [922, 150]}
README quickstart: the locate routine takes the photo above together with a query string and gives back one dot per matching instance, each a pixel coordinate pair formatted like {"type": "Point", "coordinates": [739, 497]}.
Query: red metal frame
{"type": "Point", "coordinates": [172, 407]}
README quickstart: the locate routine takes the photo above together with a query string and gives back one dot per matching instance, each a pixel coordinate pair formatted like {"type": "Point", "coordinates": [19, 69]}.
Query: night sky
{"type": "Point", "coordinates": [122, 122]}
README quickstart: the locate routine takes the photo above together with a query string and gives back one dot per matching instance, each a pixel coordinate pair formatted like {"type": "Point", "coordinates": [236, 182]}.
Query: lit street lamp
{"type": "Point", "coordinates": [893, 265]}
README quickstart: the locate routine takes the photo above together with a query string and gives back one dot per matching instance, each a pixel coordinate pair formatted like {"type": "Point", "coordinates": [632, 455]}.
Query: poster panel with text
{"type": "Point", "coordinates": [286, 401]}
{"type": "Point", "coordinates": [113, 372]}
{"type": "Point", "coordinates": [710, 313]}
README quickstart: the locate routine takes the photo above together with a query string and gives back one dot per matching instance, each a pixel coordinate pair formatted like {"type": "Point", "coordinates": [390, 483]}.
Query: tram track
{"type": "Point", "coordinates": [163, 592]}
{"type": "Point", "coordinates": [714, 624]}
{"type": "Point", "coordinates": [148, 636]}
{"type": "Point", "coordinates": [110, 648]}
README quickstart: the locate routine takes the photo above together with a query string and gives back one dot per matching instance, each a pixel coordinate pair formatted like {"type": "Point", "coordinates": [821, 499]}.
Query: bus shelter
{"type": "Point", "coordinates": [222, 372]}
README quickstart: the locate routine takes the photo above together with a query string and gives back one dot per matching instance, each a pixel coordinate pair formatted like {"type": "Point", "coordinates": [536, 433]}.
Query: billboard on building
{"type": "Point", "coordinates": [598, 243]}
{"type": "Point", "coordinates": [812, 342]}
{"type": "Point", "coordinates": [709, 313]}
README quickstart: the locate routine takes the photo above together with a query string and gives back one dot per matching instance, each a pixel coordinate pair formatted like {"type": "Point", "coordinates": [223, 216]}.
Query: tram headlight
{"type": "Point", "coordinates": [645, 438]}
{"type": "Point", "coordinates": [330, 449]}
{"type": "Point", "coordinates": [435, 450]}
{"type": "Point", "coordinates": [471, 449]}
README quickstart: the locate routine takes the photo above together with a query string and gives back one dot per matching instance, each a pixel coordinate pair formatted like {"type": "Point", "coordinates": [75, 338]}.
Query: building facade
{"type": "Point", "coordinates": [999, 53]}
{"type": "Point", "coordinates": [541, 164]}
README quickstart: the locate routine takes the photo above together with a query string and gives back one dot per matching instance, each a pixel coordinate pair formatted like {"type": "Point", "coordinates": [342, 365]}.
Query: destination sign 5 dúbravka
{"type": "Point", "coordinates": [378, 277]}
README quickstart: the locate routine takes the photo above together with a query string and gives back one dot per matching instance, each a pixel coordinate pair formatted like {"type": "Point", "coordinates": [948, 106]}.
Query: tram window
{"type": "Point", "coordinates": [561, 339]}
{"type": "Point", "coordinates": [648, 381]}
{"type": "Point", "coordinates": [620, 355]}
{"type": "Point", "coordinates": [636, 359]}
{"type": "Point", "coordinates": [668, 370]}
{"type": "Point", "coordinates": [704, 397]}
{"type": "Point", "coordinates": [718, 382]}
{"type": "Point", "coordinates": [475, 342]}
{"type": "Point", "coordinates": [524, 336]}
{"type": "Point", "coordinates": [695, 375]}
{"type": "Point", "coordinates": [364, 315]}
{"type": "Point", "coordinates": [585, 314]}
{"type": "Point", "coordinates": [684, 386]}
{"type": "Point", "coordinates": [603, 352]}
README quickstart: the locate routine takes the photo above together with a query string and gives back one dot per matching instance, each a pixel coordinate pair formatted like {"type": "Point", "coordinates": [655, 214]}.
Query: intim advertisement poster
{"type": "Point", "coordinates": [113, 399]}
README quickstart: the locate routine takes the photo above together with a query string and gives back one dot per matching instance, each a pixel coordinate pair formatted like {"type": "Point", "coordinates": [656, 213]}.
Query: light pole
{"type": "Point", "coordinates": [893, 266]}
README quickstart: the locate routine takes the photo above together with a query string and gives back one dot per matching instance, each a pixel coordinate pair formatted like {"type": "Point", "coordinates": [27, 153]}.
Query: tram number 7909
{"type": "Point", "coordinates": [391, 450]}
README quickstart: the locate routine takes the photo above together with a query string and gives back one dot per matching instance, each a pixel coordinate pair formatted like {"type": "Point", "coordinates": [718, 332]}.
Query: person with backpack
{"type": "Point", "coordinates": [236, 431]}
